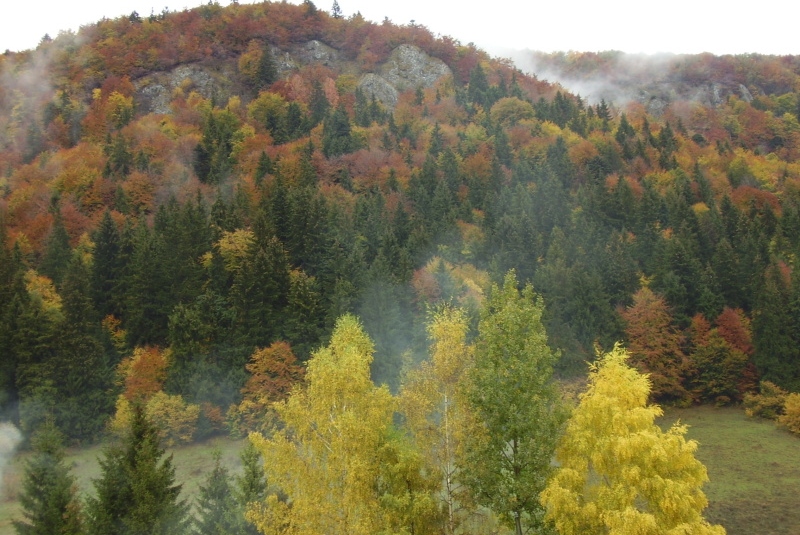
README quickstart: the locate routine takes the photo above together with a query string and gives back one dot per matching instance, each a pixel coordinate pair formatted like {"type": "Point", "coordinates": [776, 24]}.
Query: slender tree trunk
{"type": "Point", "coordinates": [451, 523]}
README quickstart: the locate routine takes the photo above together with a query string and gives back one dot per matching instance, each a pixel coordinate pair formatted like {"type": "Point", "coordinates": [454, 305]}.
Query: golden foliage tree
{"type": "Point", "coordinates": [790, 419]}
{"type": "Point", "coordinates": [618, 471]}
{"type": "Point", "coordinates": [435, 408]}
{"type": "Point", "coordinates": [328, 457]}
{"type": "Point", "coordinates": [143, 375]}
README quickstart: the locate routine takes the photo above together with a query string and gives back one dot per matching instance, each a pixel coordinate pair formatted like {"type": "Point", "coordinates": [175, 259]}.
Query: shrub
{"type": "Point", "coordinates": [790, 419]}
{"type": "Point", "coordinates": [175, 419]}
{"type": "Point", "coordinates": [768, 403]}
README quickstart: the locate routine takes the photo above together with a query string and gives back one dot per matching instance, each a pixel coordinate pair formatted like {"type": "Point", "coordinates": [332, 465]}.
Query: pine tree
{"type": "Point", "coordinates": [106, 267]}
{"type": "Point", "coordinates": [336, 11]}
{"type": "Point", "coordinates": [136, 492]}
{"type": "Point", "coordinates": [336, 136]}
{"type": "Point", "coordinates": [319, 104]}
{"type": "Point", "coordinates": [267, 70]}
{"type": "Point", "coordinates": [251, 484]}
{"type": "Point", "coordinates": [217, 510]}
{"type": "Point", "coordinates": [57, 252]}
{"type": "Point", "coordinates": [49, 495]}
{"type": "Point", "coordinates": [478, 86]}
{"type": "Point", "coordinates": [84, 376]}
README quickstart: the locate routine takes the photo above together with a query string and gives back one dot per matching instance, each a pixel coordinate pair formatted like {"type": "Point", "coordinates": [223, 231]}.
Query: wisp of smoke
{"type": "Point", "coordinates": [10, 437]}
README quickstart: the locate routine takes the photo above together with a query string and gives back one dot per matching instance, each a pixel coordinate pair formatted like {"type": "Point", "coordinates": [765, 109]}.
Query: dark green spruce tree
{"type": "Point", "coordinates": [48, 497]}
{"type": "Point", "coordinates": [251, 484]}
{"type": "Point", "coordinates": [136, 493]}
{"type": "Point", "coordinates": [217, 510]}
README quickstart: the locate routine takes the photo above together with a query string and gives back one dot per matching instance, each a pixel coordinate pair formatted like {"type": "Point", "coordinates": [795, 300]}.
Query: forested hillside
{"type": "Point", "coordinates": [181, 190]}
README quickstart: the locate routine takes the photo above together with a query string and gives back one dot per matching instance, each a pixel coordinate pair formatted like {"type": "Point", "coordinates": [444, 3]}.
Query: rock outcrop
{"type": "Point", "coordinates": [373, 85]}
{"type": "Point", "coordinates": [407, 68]}
{"type": "Point", "coordinates": [154, 91]}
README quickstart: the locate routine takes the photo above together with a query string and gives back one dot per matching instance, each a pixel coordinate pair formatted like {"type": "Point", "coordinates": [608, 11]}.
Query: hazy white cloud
{"type": "Point", "coordinates": [679, 26]}
{"type": "Point", "coordinates": [10, 438]}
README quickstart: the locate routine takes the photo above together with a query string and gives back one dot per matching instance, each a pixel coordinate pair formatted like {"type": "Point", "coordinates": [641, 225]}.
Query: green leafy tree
{"type": "Point", "coordinates": [512, 393]}
{"type": "Point", "coordinates": [49, 495]}
{"type": "Point", "coordinates": [136, 493]}
{"type": "Point", "coordinates": [618, 471]}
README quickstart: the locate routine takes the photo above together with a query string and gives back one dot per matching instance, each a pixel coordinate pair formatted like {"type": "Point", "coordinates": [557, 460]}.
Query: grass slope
{"type": "Point", "coordinates": [753, 467]}
{"type": "Point", "coordinates": [192, 464]}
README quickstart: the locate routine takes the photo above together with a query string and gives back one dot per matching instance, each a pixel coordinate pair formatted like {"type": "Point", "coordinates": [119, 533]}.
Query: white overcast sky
{"type": "Point", "coordinates": [679, 26]}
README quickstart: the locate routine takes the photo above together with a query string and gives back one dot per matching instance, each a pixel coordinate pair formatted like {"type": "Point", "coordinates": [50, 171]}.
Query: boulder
{"type": "Point", "coordinates": [373, 85]}
{"type": "Point", "coordinates": [154, 91]}
{"type": "Point", "coordinates": [409, 67]}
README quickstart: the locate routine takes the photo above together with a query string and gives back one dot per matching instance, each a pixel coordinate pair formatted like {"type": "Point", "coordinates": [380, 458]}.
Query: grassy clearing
{"type": "Point", "coordinates": [192, 464]}
{"type": "Point", "coordinates": [753, 467]}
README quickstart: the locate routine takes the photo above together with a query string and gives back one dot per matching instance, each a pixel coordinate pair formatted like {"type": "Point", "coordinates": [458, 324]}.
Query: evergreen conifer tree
{"type": "Point", "coordinates": [216, 506]}
{"type": "Point", "coordinates": [48, 498]}
{"type": "Point", "coordinates": [136, 492]}
{"type": "Point", "coordinates": [251, 484]}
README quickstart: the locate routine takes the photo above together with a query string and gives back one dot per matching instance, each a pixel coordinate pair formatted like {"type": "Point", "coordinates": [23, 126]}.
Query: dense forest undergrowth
{"type": "Point", "coordinates": [191, 201]}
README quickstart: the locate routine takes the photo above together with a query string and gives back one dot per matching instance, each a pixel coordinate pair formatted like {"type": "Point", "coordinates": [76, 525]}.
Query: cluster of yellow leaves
{"type": "Point", "coordinates": [143, 375]}
{"type": "Point", "coordinates": [790, 419]}
{"type": "Point", "coordinates": [113, 326]}
{"type": "Point", "coordinates": [325, 458]}
{"type": "Point", "coordinates": [233, 247]}
{"type": "Point", "coordinates": [436, 410]}
{"type": "Point", "coordinates": [175, 419]}
{"type": "Point", "coordinates": [774, 403]}
{"type": "Point", "coordinates": [249, 61]}
{"type": "Point", "coordinates": [510, 110]}
{"type": "Point", "coordinates": [41, 288]}
{"type": "Point", "coordinates": [619, 472]}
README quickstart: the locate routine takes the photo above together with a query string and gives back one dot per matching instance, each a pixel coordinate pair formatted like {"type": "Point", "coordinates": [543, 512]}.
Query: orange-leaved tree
{"type": "Point", "coordinates": [143, 375]}
{"type": "Point", "coordinates": [655, 343]}
{"type": "Point", "coordinates": [719, 356]}
{"type": "Point", "coordinates": [274, 372]}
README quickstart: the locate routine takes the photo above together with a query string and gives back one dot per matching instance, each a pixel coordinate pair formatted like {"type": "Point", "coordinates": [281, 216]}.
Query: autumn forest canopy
{"type": "Point", "coordinates": [217, 220]}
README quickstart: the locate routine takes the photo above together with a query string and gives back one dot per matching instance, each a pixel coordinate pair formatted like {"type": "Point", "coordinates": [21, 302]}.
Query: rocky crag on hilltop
{"type": "Point", "coordinates": [408, 67]}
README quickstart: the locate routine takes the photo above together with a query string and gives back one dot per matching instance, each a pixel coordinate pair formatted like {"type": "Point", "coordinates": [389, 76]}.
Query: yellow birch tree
{"type": "Point", "coordinates": [619, 473]}
{"type": "Point", "coordinates": [436, 411]}
{"type": "Point", "coordinates": [326, 458]}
